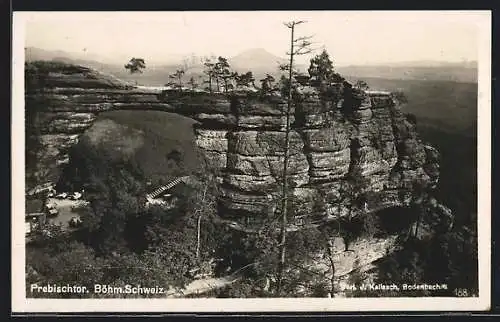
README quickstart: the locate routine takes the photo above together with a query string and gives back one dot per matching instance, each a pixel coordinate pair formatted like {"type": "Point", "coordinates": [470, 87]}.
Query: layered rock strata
{"type": "Point", "coordinates": [338, 149]}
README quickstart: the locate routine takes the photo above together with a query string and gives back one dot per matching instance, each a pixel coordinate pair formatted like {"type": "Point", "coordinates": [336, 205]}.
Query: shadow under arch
{"type": "Point", "coordinates": [395, 220]}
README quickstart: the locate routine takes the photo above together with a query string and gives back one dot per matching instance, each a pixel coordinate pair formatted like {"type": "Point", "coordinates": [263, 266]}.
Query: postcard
{"type": "Point", "coordinates": [251, 161]}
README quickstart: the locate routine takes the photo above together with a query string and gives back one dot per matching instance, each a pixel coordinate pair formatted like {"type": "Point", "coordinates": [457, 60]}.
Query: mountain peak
{"type": "Point", "coordinates": [255, 58]}
{"type": "Point", "coordinates": [255, 52]}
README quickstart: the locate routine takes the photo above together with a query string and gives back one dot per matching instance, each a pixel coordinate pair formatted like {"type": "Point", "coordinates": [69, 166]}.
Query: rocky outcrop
{"type": "Point", "coordinates": [338, 148]}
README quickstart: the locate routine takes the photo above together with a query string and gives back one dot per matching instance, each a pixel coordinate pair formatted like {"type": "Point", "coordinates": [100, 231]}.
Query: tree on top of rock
{"type": "Point", "coordinates": [209, 70]}
{"type": "Point", "coordinates": [135, 65]}
{"type": "Point", "coordinates": [321, 69]}
{"type": "Point", "coordinates": [222, 72]}
{"type": "Point", "coordinates": [187, 64]}
{"type": "Point", "coordinates": [400, 97]}
{"type": "Point", "coordinates": [245, 79]}
{"type": "Point", "coordinates": [362, 85]}
{"type": "Point", "coordinates": [179, 73]}
{"type": "Point", "coordinates": [267, 84]}
{"type": "Point", "coordinates": [192, 82]}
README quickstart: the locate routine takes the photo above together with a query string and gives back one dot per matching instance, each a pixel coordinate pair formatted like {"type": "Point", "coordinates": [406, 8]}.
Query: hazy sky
{"type": "Point", "coordinates": [351, 37]}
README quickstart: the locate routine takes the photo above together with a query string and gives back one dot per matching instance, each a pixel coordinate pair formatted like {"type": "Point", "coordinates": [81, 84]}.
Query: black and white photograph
{"type": "Point", "coordinates": [251, 161]}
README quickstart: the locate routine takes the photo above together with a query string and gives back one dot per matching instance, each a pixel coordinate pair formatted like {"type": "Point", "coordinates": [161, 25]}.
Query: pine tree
{"type": "Point", "coordinates": [267, 84]}
{"type": "Point", "coordinates": [222, 72]}
{"type": "Point", "coordinates": [321, 69]}
{"type": "Point", "coordinates": [135, 65]}
{"type": "Point", "coordinates": [209, 71]}
{"type": "Point", "coordinates": [298, 46]}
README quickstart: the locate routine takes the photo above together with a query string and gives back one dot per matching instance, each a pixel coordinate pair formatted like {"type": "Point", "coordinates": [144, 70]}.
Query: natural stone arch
{"type": "Point", "coordinates": [69, 98]}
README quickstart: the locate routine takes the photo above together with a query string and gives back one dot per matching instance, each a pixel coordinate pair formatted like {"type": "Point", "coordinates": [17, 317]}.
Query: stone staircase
{"type": "Point", "coordinates": [166, 187]}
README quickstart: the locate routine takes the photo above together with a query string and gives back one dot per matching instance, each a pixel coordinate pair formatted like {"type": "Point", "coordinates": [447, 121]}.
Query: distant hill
{"type": "Point", "coordinates": [255, 58]}
{"type": "Point", "coordinates": [260, 62]}
{"type": "Point", "coordinates": [153, 75]}
{"type": "Point", "coordinates": [433, 63]}
{"type": "Point", "coordinates": [446, 105]}
{"type": "Point", "coordinates": [33, 53]}
{"type": "Point", "coordinates": [435, 71]}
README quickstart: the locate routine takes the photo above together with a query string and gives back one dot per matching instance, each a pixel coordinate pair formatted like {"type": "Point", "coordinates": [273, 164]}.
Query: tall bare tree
{"type": "Point", "coordinates": [298, 46]}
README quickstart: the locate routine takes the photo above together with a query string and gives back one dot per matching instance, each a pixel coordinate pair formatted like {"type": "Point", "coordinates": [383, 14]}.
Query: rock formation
{"type": "Point", "coordinates": [361, 137]}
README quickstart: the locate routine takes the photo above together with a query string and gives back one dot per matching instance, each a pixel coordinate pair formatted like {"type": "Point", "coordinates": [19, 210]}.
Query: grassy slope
{"type": "Point", "coordinates": [164, 135]}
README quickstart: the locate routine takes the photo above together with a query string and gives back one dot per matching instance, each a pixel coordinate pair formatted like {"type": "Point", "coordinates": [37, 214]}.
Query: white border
{"type": "Point", "coordinates": [21, 304]}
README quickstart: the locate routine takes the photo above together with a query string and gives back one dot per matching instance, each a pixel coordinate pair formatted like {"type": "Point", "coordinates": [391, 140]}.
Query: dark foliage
{"type": "Point", "coordinates": [321, 69]}
{"type": "Point", "coordinates": [411, 118]}
{"type": "Point", "coordinates": [457, 186]}
{"type": "Point", "coordinates": [121, 237]}
{"type": "Point", "coordinates": [135, 65]}
{"type": "Point", "coordinates": [449, 258]}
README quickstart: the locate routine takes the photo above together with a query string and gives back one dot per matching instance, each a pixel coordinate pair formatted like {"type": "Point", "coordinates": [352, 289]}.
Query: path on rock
{"type": "Point", "coordinates": [203, 286]}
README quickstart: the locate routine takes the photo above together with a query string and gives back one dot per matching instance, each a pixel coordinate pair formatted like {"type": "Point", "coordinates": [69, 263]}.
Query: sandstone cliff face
{"type": "Point", "coordinates": [366, 137]}
{"type": "Point", "coordinates": [363, 136]}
